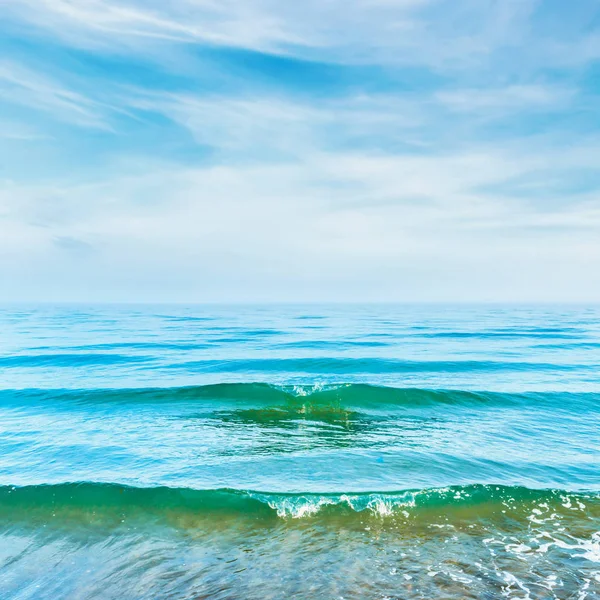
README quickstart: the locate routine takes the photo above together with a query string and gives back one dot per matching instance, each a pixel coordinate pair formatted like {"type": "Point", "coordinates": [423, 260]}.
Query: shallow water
{"type": "Point", "coordinates": [307, 452]}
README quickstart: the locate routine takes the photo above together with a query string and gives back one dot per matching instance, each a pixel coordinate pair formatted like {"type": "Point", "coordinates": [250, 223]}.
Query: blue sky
{"type": "Point", "coordinates": [378, 150]}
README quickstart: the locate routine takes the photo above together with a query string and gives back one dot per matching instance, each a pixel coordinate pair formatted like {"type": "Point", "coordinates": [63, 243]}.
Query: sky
{"type": "Point", "coordinates": [314, 151]}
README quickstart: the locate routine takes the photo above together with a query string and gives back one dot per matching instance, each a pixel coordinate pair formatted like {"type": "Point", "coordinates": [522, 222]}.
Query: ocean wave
{"type": "Point", "coordinates": [452, 502]}
{"type": "Point", "coordinates": [375, 366]}
{"type": "Point", "coordinates": [71, 359]}
{"type": "Point", "coordinates": [94, 355]}
{"type": "Point", "coordinates": [355, 396]}
{"type": "Point", "coordinates": [508, 334]}
{"type": "Point", "coordinates": [341, 344]}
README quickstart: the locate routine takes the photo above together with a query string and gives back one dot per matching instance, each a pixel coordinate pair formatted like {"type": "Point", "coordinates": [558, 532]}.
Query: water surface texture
{"type": "Point", "coordinates": [299, 451]}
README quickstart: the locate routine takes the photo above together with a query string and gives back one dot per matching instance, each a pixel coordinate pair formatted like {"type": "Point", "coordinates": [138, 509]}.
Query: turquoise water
{"type": "Point", "coordinates": [306, 452]}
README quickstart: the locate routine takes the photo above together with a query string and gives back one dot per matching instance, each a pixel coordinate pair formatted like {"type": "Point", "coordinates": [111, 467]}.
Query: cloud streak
{"type": "Point", "coordinates": [392, 150]}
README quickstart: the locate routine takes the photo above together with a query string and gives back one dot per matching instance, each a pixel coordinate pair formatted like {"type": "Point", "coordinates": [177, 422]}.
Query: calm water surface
{"type": "Point", "coordinates": [299, 451]}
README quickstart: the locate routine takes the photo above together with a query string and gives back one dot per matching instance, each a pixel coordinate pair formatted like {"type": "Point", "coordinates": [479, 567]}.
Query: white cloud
{"type": "Point", "coordinates": [253, 24]}
{"type": "Point", "coordinates": [23, 86]}
{"type": "Point", "coordinates": [252, 126]}
{"type": "Point", "coordinates": [19, 132]}
{"type": "Point", "coordinates": [395, 194]}
{"type": "Point", "coordinates": [292, 228]}
{"type": "Point", "coordinates": [511, 98]}
{"type": "Point", "coordinates": [446, 34]}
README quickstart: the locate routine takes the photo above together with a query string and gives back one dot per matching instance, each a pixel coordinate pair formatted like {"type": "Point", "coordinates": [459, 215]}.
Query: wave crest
{"type": "Point", "coordinates": [476, 499]}
{"type": "Point", "coordinates": [300, 398]}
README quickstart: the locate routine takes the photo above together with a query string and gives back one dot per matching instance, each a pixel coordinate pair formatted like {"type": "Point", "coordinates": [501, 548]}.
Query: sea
{"type": "Point", "coordinates": [299, 452]}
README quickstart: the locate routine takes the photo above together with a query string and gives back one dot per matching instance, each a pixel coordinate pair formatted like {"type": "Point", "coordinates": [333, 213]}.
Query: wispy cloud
{"type": "Point", "coordinates": [254, 24]}
{"type": "Point", "coordinates": [22, 86]}
{"type": "Point", "coordinates": [445, 34]}
{"type": "Point", "coordinates": [513, 98]}
{"type": "Point", "coordinates": [414, 149]}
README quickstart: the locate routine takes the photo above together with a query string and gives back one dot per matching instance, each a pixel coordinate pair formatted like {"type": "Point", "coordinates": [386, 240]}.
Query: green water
{"type": "Point", "coordinates": [357, 452]}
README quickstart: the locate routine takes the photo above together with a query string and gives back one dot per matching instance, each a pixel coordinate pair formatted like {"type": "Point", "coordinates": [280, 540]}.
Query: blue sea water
{"type": "Point", "coordinates": [340, 451]}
